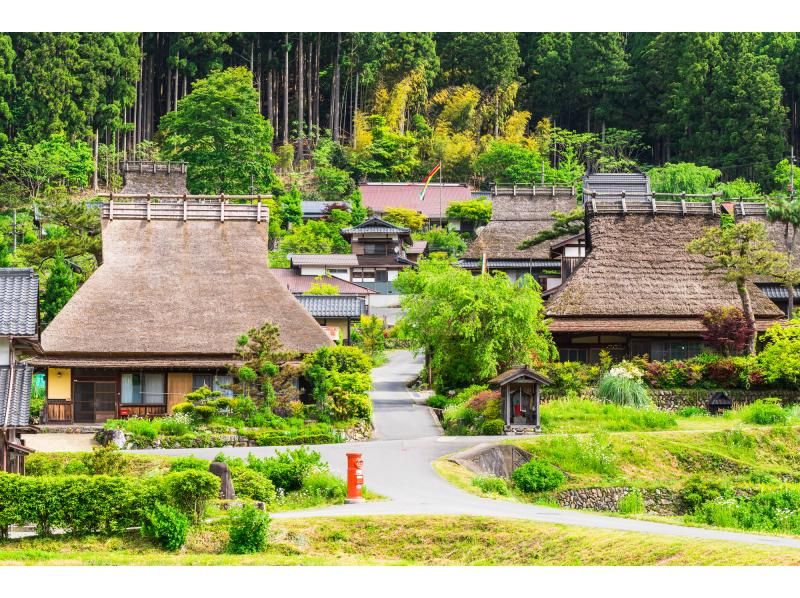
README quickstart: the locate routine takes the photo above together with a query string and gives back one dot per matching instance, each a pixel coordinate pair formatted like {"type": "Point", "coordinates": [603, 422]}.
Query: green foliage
{"type": "Point", "coordinates": [190, 490]}
{"type": "Point", "coordinates": [493, 427]}
{"type": "Point", "coordinates": [406, 218]}
{"type": "Point", "coordinates": [218, 129]}
{"type": "Point", "coordinates": [325, 485]}
{"type": "Point", "coordinates": [772, 511]}
{"type": "Point", "coordinates": [446, 240]}
{"type": "Point", "coordinates": [340, 378]}
{"type": "Point", "coordinates": [389, 156]}
{"type": "Point", "coordinates": [472, 327]}
{"type": "Point", "coordinates": [764, 412]}
{"type": "Point", "coordinates": [691, 411]}
{"type": "Point", "coordinates": [579, 454]}
{"type": "Point", "coordinates": [475, 210]}
{"type": "Point", "coordinates": [537, 476]}
{"type": "Point", "coordinates": [368, 335]}
{"type": "Point", "coordinates": [59, 288]}
{"type": "Point", "coordinates": [260, 353]}
{"type": "Point", "coordinates": [491, 484]}
{"type": "Point", "coordinates": [248, 531]}
{"type": "Point", "coordinates": [166, 526]}
{"type": "Point", "coordinates": [249, 483]}
{"type": "Point", "coordinates": [697, 490]}
{"type": "Point", "coordinates": [580, 415]}
{"type": "Point", "coordinates": [683, 177]}
{"type": "Point", "coordinates": [568, 377]}
{"type": "Point", "coordinates": [103, 461]}
{"type": "Point", "coordinates": [177, 425]}
{"type": "Point", "coordinates": [779, 359]}
{"type": "Point", "coordinates": [186, 463]}
{"type": "Point", "coordinates": [291, 207]}
{"type": "Point", "coordinates": [287, 469]}
{"type": "Point", "coordinates": [566, 223]}
{"type": "Point", "coordinates": [318, 287]}
{"type": "Point", "coordinates": [632, 503]}
{"type": "Point", "coordinates": [740, 189]}
{"type": "Point", "coordinates": [505, 162]}
{"type": "Point", "coordinates": [620, 387]}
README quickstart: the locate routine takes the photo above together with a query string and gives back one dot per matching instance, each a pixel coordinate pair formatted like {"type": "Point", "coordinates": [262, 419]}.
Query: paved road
{"type": "Point", "coordinates": [398, 465]}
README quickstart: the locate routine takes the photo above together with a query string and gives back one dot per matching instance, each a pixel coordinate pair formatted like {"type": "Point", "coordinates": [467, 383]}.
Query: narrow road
{"type": "Point", "coordinates": [397, 464]}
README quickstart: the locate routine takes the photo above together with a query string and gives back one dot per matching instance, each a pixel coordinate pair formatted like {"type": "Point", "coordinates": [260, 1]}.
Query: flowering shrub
{"type": "Point", "coordinates": [623, 385]}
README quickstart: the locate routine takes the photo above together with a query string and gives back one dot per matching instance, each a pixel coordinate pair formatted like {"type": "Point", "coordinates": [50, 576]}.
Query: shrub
{"type": "Point", "coordinates": [104, 460]}
{"type": "Point", "coordinates": [697, 490]}
{"type": "Point", "coordinates": [491, 484]}
{"type": "Point", "coordinates": [483, 400]}
{"type": "Point", "coordinates": [464, 395]}
{"type": "Point", "coordinates": [341, 358]}
{"type": "Point", "coordinates": [568, 377]}
{"type": "Point", "coordinates": [248, 531]}
{"type": "Point", "coordinates": [141, 427]}
{"type": "Point", "coordinates": [177, 425]}
{"type": "Point", "coordinates": [324, 484]}
{"type": "Point", "coordinates": [183, 408]}
{"type": "Point", "coordinates": [632, 503]}
{"type": "Point", "coordinates": [185, 463]}
{"type": "Point", "coordinates": [190, 490]}
{"type": "Point", "coordinates": [537, 476]}
{"type": "Point", "coordinates": [623, 388]}
{"type": "Point", "coordinates": [437, 401]}
{"type": "Point", "coordinates": [204, 412]}
{"type": "Point", "coordinates": [350, 405]}
{"type": "Point", "coordinates": [780, 358]}
{"type": "Point", "coordinates": [249, 483]}
{"type": "Point", "coordinates": [691, 411]}
{"type": "Point", "coordinates": [727, 329]}
{"type": "Point", "coordinates": [166, 526]}
{"type": "Point", "coordinates": [764, 412]}
{"type": "Point", "coordinates": [493, 427]}
{"type": "Point", "coordinates": [288, 469]}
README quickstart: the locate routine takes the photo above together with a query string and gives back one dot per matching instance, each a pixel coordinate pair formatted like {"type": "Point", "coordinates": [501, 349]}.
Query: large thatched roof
{"type": "Point", "coordinates": [515, 219]}
{"type": "Point", "coordinates": [180, 284]}
{"type": "Point", "coordinates": [775, 230]}
{"type": "Point", "coordinates": [638, 269]}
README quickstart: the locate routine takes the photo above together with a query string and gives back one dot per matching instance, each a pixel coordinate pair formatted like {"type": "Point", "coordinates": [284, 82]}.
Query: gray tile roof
{"type": "Point", "coordinates": [19, 406]}
{"type": "Point", "coordinates": [633, 184]}
{"type": "Point", "coordinates": [318, 208]}
{"type": "Point", "coordinates": [375, 225]}
{"type": "Point", "coordinates": [19, 300]}
{"type": "Point", "coordinates": [471, 264]}
{"type": "Point", "coordinates": [333, 306]}
{"type": "Point", "coordinates": [323, 259]}
{"type": "Point", "coordinates": [778, 292]}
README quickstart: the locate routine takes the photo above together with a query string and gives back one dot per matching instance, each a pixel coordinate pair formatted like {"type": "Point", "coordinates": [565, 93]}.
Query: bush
{"type": "Point", "coordinates": [190, 490]}
{"type": "Point", "coordinates": [780, 358]}
{"type": "Point", "coordinates": [141, 427]}
{"type": "Point", "coordinates": [104, 460]}
{"type": "Point", "coordinates": [324, 484]}
{"type": "Point", "coordinates": [341, 358]}
{"type": "Point", "coordinates": [537, 476]}
{"type": "Point", "coordinates": [248, 531]}
{"type": "Point", "coordinates": [632, 503]}
{"type": "Point", "coordinates": [248, 483]}
{"type": "Point", "coordinates": [491, 484]}
{"type": "Point", "coordinates": [186, 407]}
{"type": "Point", "coordinates": [204, 412]}
{"type": "Point", "coordinates": [437, 401]}
{"type": "Point", "coordinates": [177, 425]}
{"type": "Point", "coordinates": [621, 388]}
{"type": "Point", "coordinates": [764, 412]}
{"type": "Point", "coordinates": [350, 405]}
{"type": "Point", "coordinates": [697, 490]}
{"type": "Point", "coordinates": [166, 526]}
{"type": "Point", "coordinates": [568, 377]}
{"type": "Point", "coordinates": [186, 463]}
{"type": "Point", "coordinates": [691, 411]}
{"type": "Point", "coordinates": [289, 468]}
{"type": "Point", "coordinates": [493, 427]}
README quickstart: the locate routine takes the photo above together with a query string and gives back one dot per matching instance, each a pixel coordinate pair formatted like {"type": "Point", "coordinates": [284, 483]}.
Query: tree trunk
{"type": "Point", "coordinates": [496, 113]}
{"type": "Point", "coordinates": [790, 287]}
{"type": "Point", "coordinates": [316, 86]}
{"type": "Point", "coordinates": [300, 106]}
{"type": "Point", "coordinates": [747, 307]}
{"type": "Point", "coordinates": [355, 109]}
{"type": "Point", "coordinates": [270, 113]}
{"type": "Point", "coordinates": [96, 142]}
{"type": "Point", "coordinates": [335, 91]}
{"type": "Point", "coordinates": [285, 88]}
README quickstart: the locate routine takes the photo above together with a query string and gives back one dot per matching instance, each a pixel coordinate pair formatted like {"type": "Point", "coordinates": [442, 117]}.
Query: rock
{"type": "Point", "coordinates": [116, 438]}
{"type": "Point", "coordinates": [222, 471]}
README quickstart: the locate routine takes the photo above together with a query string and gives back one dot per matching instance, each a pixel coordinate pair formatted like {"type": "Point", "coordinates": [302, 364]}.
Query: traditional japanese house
{"type": "Point", "coordinates": [518, 214]}
{"type": "Point", "coordinates": [638, 291]}
{"type": "Point", "coordinates": [335, 313]}
{"type": "Point", "coordinates": [179, 283]}
{"type": "Point", "coordinates": [317, 210]}
{"type": "Point", "coordinates": [19, 334]}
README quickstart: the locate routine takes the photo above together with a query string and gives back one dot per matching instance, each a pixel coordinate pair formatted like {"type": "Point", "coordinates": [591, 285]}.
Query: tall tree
{"type": "Point", "coordinates": [7, 82]}
{"type": "Point", "coordinates": [58, 289]}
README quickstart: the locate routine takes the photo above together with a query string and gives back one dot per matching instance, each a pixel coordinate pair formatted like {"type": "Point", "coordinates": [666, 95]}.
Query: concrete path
{"type": "Point", "coordinates": [57, 442]}
{"type": "Point", "coordinates": [398, 465]}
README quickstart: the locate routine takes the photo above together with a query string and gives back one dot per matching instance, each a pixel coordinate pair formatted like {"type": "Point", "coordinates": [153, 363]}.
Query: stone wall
{"type": "Point", "coordinates": [659, 501]}
{"type": "Point", "coordinates": [678, 398]}
{"type": "Point", "coordinates": [492, 459]}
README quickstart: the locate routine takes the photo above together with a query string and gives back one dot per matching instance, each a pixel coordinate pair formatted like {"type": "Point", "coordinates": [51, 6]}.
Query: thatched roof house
{"type": "Point", "coordinates": [638, 290]}
{"type": "Point", "coordinates": [516, 218]}
{"type": "Point", "coordinates": [178, 284]}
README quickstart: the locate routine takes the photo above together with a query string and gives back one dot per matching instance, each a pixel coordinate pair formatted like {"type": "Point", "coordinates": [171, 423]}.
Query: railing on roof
{"type": "Point", "coordinates": [532, 190]}
{"type": "Point", "coordinates": [184, 210]}
{"type": "Point", "coordinates": [154, 166]}
{"type": "Point", "coordinates": [637, 205]}
{"type": "Point", "coordinates": [674, 196]}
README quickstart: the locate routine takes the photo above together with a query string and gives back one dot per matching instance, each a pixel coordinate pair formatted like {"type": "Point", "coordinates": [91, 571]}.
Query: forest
{"type": "Point", "coordinates": [309, 115]}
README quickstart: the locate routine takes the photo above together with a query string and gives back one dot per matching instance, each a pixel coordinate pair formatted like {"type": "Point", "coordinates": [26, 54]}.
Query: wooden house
{"type": "Point", "coordinates": [638, 291]}
{"type": "Point", "coordinates": [19, 332]}
{"type": "Point", "coordinates": [179, 283]}
{"type": "Point", "coordinates": [520, 213]}
{"type": "Point", "coordinates": [335, 313]}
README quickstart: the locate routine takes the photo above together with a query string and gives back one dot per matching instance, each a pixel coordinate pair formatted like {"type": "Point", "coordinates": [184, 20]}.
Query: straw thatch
{"type": "Point", "coordinates": [515, 219]}
{"type": "Point", "coordinates": [639, 268]}
{"type": "Point", "coordinates": [172, 287]}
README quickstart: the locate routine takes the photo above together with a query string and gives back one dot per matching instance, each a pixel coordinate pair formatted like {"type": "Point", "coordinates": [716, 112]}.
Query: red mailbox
{"type": "Point", "coordinates": [355, 477]}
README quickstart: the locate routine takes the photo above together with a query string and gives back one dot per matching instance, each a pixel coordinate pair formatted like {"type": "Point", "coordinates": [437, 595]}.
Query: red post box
{"type": "Point", "coordinates": [355, 477]}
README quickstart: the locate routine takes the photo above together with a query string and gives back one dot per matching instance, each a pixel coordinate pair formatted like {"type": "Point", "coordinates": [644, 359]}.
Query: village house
{"type": "Point", "coordinates": [638, 291]}
{"type": "Point", "coordinates": [335, 313]}
{"type": "Point", "coordinates": [317, 210]}
{"type": "Point", "coordinates": [179, 283]}
{"type": "Point", "coordinates": [380, 197]}
{"type": "Point", "coordinates": [19, 332]}
{"type": "Point", "coordinates": [518, 214]}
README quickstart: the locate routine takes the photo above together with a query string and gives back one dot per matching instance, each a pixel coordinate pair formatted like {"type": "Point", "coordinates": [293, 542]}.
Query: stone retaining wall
{"type": "Point", "coordinates": [658, 501]}
{"type": "Point", "coordinates": [677, 398]}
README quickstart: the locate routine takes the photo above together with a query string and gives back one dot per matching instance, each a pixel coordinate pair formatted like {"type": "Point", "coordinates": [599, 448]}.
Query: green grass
{"type": "Point", "coordinates": [413, 540]}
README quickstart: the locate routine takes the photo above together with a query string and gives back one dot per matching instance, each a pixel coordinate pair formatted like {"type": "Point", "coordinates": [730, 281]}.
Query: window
{"type": "Point", "coordinates": [376, 249]}
{"type": "Point", "coordinates": [669, 350]}
{"type": "Point", "coordinates": [200, 380]}
{"type": "Point", "coordinates": [143, 389]}
{"type": "Point", "coordinates": [220, 383]}
{"type": "Point", "coordinates": [364, 276]}
{"type": "Point", "coordinates": [381, 276]}
{"type": "Point", "coordinates": [339, 273]}
{"type": "Point", "coordinates": [579, 355]}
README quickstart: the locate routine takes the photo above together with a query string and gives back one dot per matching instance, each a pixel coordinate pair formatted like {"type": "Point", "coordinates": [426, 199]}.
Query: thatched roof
{"type": "Point", "coordinates": [639, 268]}
{"type": "Point", "coordinates": [515, 219]}
{"type": "Point", "coordinates": [170, 287]}
{"type": "Point", "coordinates": [515, 373]}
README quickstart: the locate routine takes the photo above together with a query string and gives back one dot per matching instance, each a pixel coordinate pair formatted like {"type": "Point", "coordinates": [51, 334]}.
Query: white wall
{"type": "Point", "coordinates": [312, 270]}
{"type": "Point", "coordinates": [5, 351]}
{"type": "Point", "coordinates": [574, 251]}
{"type": "Point", "coordinates": [392, 275]}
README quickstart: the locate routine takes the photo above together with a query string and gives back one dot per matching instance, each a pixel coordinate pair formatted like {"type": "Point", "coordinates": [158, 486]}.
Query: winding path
{"type": "Point", "coordinates": [397, 464]}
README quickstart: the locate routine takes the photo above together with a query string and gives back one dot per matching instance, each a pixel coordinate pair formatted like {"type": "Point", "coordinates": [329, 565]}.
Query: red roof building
{"type": "Point", "coordinates": [379, 197]}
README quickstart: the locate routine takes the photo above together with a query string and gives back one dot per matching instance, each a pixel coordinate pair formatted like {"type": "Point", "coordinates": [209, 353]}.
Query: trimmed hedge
{"type": "Point", "coordinates": [284, 440]}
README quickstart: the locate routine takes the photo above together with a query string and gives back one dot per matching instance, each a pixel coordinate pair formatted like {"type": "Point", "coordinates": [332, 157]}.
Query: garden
{"type": "Point", "coordinates": [267, 408]}
{"type": "Point", "coordinates": [162, 499]}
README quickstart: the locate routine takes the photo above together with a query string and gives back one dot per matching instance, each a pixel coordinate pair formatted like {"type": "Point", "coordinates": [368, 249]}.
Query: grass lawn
{"type": "Point", "coordinates": [404, 540]}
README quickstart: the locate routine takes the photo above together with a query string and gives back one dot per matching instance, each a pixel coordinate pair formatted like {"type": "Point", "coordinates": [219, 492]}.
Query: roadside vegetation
{"type": "Point", "coordinates": [416, 540]}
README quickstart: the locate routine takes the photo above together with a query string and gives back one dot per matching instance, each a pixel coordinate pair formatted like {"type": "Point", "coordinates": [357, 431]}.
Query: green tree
{"type": "Point", "coordinates": [475, 210]}
{"type": "Point", "coordinates": [46, 164]}
{"type": "Point", "coordinates": [740, 253]}
{"type": "Point", "coordinates": [683, 177]}
{"type": "Point", "coordinates": [446, 240]}
{"type": "Point", "coordinates": [406, 218]}
{"type": "Point", "coordinates": [320, 287]}
{"type": "Point", "coordinates": [401, 53]}
{"type": "Point", "coordinates": [292, 207]}
{"type": "Point", "coordinates": [787, 212]}
{"type": "Point", "coordinates": [471, 327]}
{"type": "Point", "coordinates": [58, 289]}
{"type": "Point", "coordinates": [547, 71]}
{"type": "Point", "coordinates": [389, 156]}
{"type": "Point", "coordinates": [264, 373]}
{"type": "Point", "coordinates": [505, 163]}
{"type": "Point", "coordinates": [7, 82]}
{"type": "Point", "coordinates": [218, 129]}
{"type": "Point", "coordinates": [565, 223]}
{"type": "Point", "coordinates": [739, 189]}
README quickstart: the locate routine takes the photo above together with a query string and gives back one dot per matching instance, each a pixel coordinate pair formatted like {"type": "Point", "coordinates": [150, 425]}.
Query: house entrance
{"type": "Point", "coordinates": [94, 401]}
